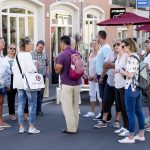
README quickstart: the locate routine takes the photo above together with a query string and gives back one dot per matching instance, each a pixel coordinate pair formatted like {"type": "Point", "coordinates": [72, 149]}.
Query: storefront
{"type": "Point", "coordinates": [64, 20]}
{"type": "Point", "coordinates": [21, 19]}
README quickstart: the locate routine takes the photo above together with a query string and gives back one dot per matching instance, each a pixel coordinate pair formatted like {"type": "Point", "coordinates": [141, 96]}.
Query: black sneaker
{"type": "Point", "coordinates": [101, 124]}
{"type": "Point", "coordinates": [108, 120]}
{"type": "Point", "coordinates": [40, 114]}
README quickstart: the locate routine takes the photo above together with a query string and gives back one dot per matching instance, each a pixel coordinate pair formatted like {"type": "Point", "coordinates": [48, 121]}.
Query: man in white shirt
{"type": "Point", "coordinates": [104, 50]}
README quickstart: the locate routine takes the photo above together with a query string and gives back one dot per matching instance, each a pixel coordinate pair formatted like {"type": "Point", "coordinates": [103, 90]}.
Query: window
{"type": "Point", "coordinates": [90, 27]}
{"type": "Point", "coordinates": [62, 19]}
{"type": "Point", "coordinates": [61, 24]}
{"type": "Point", "coordinates": [16, 24]}
{"type": "Point", "coordinates": [17, 10]}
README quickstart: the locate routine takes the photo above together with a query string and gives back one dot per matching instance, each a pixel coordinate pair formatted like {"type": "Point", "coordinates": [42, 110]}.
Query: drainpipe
{"type": "Point", "coordinates": [81, 21]}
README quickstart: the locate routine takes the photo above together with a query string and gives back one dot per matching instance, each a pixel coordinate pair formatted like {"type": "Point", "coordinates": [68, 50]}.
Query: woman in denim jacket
{"type": "Point", "coordinates": [132, 93]}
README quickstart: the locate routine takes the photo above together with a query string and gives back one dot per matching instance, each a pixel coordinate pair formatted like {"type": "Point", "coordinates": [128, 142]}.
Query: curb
{"type": "Point", "coordinates": [48, 99]}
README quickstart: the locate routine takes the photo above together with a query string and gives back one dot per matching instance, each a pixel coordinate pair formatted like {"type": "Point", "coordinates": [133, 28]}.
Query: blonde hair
{"type": "Point", "coordinates": [130, 42]}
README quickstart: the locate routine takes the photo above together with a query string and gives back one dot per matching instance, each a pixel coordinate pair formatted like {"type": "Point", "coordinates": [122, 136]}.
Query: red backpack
{"type": "Point", "coordinates": [76, 67]}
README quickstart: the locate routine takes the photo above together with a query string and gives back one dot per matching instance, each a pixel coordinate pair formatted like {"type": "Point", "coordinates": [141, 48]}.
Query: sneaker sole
{"type": "Point", "coordinates": [1, 129]}
{"type": "Point", "coordinates": [33, 133]}
{"type": "Point", "coordinates": [122, 135]}
{"type": "Point", "coordinates": [140, 140]}
{"type": "Point", "coordinates": [100, 127]}
{"type": "Point", "coordinates": [22, 132]}
{"type": "Point", "coordinates": [126, 142]}
{"type": "Point", "coordinates": [108, 121]}
{"type": "Point", "coordinates": [6, 126]}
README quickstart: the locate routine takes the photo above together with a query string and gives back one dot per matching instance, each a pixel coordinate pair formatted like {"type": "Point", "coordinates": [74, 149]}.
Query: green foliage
{"type": "Point", "coordinates": [83, 49]}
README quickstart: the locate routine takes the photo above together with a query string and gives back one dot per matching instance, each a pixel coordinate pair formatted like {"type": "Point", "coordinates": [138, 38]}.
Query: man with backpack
{"type": "Point", "coordinates": [70, 72]}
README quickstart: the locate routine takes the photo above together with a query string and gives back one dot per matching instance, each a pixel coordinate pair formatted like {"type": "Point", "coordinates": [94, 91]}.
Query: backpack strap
{"type": "Point", "coordinates": [19, 65]}
{"type": "Point", "coordinates": [135, 58]}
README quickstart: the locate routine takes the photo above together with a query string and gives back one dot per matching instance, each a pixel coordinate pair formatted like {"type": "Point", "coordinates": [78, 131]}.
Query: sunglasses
{"type": "Point", "coordinates": [123, 46]}
{"type": "Point", "coordinates": [117, 44]}
{"type": "Point", "coordinates": [147, 42]}
{"type": "Point", "coordinates": [12, 48]}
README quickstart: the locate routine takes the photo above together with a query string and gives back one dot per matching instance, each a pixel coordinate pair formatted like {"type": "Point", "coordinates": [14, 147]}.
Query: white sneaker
{"type": "Point", "coordinates": [89, 114]}
{"type": "Point", "coordinates": [124, 133]}
{"type": "Point", "coordinates": [127, 140]}
{"type": "Point", "coordinates": [33, 130]}
{"type": "Point", "coordinates": [139, 138]}
{"type": "Point", "coordinates": [98, 115]}
{"type": "Point", "coordinates": [1, 128]}
{"type": "Point", "coordinates": [22, 130]}
{"type": "Point", "coordinates": [119, 130]}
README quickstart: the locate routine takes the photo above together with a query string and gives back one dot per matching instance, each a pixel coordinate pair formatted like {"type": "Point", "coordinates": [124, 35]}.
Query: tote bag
{"type": "Point", "coordinates": [31, 81]}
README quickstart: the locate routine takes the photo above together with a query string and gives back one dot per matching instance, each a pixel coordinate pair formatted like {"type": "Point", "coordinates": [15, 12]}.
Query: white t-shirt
{"type": "Point", "coordinates": [110, 58]}
{"type": "Point", "coordinates": [92, 66]}
{"type": "Point", "coordinates": [132, 67]}
{"type": "Point", "coordinates": [120, 63]}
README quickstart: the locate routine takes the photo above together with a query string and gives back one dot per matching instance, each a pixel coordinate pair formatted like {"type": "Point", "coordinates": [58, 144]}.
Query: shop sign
{"type": "Point", "coordinates": [115, 12]}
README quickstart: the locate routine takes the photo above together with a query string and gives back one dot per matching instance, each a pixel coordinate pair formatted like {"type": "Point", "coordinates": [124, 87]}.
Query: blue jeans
{"type": "Point", "coordinates": [32, 102]}
{"type": "Point", "coordinates": [133, 106]}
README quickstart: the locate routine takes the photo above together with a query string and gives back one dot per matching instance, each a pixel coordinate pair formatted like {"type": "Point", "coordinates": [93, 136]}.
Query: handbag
{"type": "Point", "coordinates": [31, 81]}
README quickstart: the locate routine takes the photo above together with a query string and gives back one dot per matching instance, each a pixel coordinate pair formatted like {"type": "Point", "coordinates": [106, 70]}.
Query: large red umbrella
{"type": "Point", "coordinates": [145, 28]}
{"type": "Point", "coordinates": [125, 19]}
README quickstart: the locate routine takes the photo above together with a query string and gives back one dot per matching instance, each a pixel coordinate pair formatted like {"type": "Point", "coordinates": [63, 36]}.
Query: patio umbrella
{"type": "Point", "coordinates": [127, 19]}
{"type": "Point", "coordinates": [145, 28]}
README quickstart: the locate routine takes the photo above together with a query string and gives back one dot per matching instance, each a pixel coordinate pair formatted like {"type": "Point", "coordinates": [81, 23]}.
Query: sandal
{"type": "Point", "coordinates": [13, 117]}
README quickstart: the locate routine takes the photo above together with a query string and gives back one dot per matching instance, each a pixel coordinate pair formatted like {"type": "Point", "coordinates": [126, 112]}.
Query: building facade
{"type": "Point", "coordinates": [50, 19]}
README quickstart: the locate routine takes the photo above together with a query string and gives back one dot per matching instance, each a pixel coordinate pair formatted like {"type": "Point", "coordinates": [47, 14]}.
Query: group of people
{"type": "Point", "coordinates": [113, 75]}
{"type": "Point", "coordinates": [113, 78]}
{"type": "Point", "coordinates": [11, 82]}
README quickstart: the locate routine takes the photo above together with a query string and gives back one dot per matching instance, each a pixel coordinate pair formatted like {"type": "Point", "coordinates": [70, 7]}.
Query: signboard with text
{"type": "Point", "coordinates": [114, 12]}
{"type": "Point", "coordinates": [143, 3]}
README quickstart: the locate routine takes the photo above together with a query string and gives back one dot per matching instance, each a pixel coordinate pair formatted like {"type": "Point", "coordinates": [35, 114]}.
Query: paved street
{"type": "Point", "coordinates": [51, 137]}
